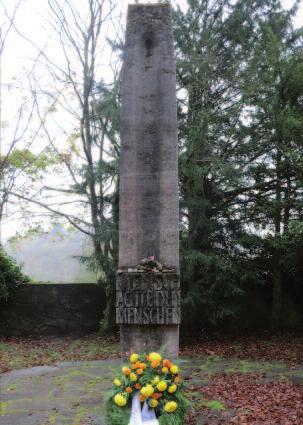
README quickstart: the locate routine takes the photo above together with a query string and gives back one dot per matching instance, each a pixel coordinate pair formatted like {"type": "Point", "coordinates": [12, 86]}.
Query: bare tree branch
{"type": "Point", "coordinates": [70, 218]}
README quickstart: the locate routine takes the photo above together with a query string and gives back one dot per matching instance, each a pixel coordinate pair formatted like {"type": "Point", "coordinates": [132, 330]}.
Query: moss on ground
{"type": "Point", "coordinates": [3, 408]}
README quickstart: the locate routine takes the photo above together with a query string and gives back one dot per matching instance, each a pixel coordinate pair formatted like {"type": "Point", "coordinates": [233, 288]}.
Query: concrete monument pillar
{"type": "Point", "coordinates": [148, 298]}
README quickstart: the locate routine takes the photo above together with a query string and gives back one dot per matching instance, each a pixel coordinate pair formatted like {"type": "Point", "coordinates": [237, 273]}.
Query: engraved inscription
{"type": "Point", "coordinates": [148, 298]}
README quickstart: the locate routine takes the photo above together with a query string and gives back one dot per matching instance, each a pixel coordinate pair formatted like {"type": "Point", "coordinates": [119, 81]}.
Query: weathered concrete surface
{"type": "Point", "coordinates": [149, 212]}
{"type": "Point", "coordinates": [148, 215]}
{"type": "Point", "coordinates": [52, 309]}
{"type": "Point", "coordinates": [72, 393]}
{"type": "Point", "coordinates": [69, 394]}
{"type": "Point", "coordinates": [143, 338]}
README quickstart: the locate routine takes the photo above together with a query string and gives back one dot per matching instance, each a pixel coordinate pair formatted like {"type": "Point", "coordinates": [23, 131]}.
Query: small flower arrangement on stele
{"type": "Point", "coordinates": [156, 384]}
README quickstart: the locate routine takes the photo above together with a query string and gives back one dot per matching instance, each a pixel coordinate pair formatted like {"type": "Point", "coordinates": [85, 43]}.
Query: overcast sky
{"type": "Point", "coordinates": [17, 60]}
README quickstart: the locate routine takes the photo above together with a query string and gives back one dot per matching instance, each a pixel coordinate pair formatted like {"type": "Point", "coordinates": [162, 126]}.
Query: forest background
{"type": "Point", "coordinates": [240, 124]}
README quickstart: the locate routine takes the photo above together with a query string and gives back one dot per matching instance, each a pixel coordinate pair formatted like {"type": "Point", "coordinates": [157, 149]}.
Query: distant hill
{"type": "Point", "coordinates": [50, 256]}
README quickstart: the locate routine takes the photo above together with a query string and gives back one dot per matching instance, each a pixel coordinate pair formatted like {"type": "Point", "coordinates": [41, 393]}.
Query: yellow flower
{"type": "Point", "coordinates": [126, 370]}
{"type": "Point", "coordinates": [117, 382]}
{"type": "Point", "coordinates": [170, 406]}
{"type": "Point", "coordinates": [120, 400]}
{"type": "Point", "coordinates": [153, 403]}
{"type": "Point", "coordinates": [174, 369]}
{"type": "Point", "coordinates": [162, 386]}
{"type": "Point", "coordinates": [156, 380]}
{"type": "Point", "coordinates": [133, 377]}
{"type": "Point", "coordinates": [164, 369]}
{"type": "Point", "coordinates": [155, 357]}
{"type": "Point", "coordinates": [147, 391]}
{"type": "Point", "coordinates": [134, 357]}
{"type": "Point", "coordinates": [172, 389]}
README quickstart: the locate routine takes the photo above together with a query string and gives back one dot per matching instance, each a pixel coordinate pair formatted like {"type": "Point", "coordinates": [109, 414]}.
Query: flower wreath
{"type": "Point", "coordinates": [157, 383]}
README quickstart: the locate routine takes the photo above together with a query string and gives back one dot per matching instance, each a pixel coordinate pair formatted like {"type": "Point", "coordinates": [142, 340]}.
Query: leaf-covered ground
{"type": "Point", "coordinates": [230, 380]}
{"type": "Point", "coordinates": [287, 348]}
{"type": "Point", "coordinates": [263, 385]}
{"type": "Point", "coordinates": [18, 353]}
{"type": "Point", "coordinates": [249, 399]}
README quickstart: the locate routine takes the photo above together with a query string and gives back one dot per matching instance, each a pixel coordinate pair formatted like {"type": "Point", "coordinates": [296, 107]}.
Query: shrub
{"type": "Point", "coordinates": [11, 275]}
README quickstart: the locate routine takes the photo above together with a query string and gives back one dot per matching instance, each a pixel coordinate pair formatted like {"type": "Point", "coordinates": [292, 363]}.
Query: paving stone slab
{"type": "Point", "coordinates": [72, 393]}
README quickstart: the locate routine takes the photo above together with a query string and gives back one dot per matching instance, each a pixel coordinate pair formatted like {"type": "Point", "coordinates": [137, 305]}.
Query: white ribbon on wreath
{"type": "Point", "coordinates": [146, 416]}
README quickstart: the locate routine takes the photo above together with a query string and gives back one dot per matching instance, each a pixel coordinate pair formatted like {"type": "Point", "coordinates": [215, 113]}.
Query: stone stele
{"type": "Point", "coordinates": [148, 304]}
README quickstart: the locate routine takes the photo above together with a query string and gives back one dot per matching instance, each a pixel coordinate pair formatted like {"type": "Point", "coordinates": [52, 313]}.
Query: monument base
{"type": "Point", "coordinates": [146, 338]}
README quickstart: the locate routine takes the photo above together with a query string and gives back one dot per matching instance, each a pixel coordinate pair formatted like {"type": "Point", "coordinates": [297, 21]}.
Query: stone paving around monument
{"type": "Point", "coordinates": [72, 393]}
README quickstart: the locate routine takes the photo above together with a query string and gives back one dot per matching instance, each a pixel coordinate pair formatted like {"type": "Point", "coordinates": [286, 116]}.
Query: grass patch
{"type": "Point", "coordinates": [211, 404]}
